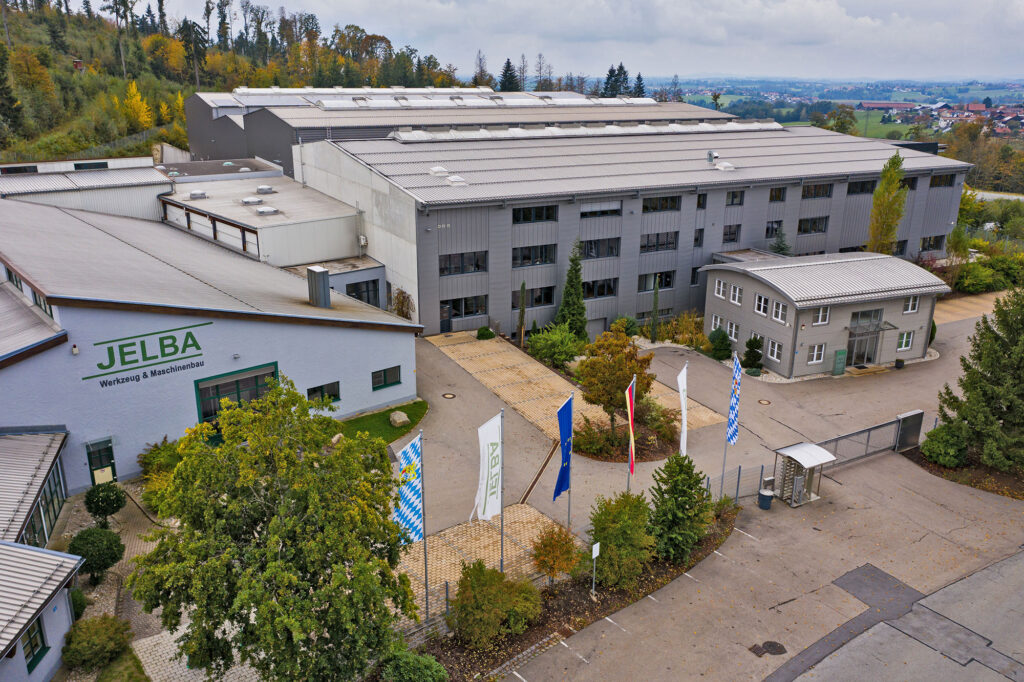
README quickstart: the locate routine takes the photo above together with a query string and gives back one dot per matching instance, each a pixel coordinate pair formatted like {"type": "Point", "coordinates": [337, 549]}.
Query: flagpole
{"type": "Point", "coordinates": [423, 508]}
{"type": "Point", "coordinates": [724, 453]}
{"type": "Point", "coordinates": [501, 490]}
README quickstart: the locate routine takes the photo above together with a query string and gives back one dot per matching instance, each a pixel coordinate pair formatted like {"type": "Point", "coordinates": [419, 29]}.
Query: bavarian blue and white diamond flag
{"type": "Point", "coordinates": [409, 514]}
{"type": "Point", "coordinates": [732, 429]}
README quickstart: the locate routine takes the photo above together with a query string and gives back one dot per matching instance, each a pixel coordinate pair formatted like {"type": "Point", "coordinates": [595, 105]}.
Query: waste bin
{"type": "Point", "coordinates": [764, 498]}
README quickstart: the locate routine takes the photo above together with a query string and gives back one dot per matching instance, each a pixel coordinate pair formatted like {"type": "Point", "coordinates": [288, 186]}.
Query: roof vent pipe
{"type": "Point", "coordinates": [712, 156]}
{"type": "Point", "coordinates": [319, 281]}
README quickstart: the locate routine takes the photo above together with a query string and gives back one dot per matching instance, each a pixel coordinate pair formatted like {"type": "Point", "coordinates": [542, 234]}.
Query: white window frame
{"type": "Point", "coordinates": [816, 354]}
{"type": "Point", "coordinates": [716, 322]}
{"type": "Point", "coordinates": [735, 295]}
{"type": "Point", "coordinates": [732, 330]}
{"type": "Point", "coordinates": [780, 311]}
{"type": "Point", "coordinates": [911, 304]}
{"type": "Point", "coordinates": [905, 341]}
{"type": "Point", "coordinates": [720, 288]}
{"type": "Point", "coordinates": [773, 350]}
{"type": "Point", "coordinates": [755, 335]}
{"type": "Point", "coordinates": [758, 300]}
{"type": "Point", "coordinates": [818, 319]}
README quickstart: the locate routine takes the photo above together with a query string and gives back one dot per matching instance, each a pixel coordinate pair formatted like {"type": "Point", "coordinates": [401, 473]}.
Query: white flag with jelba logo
{"type": "Point", "coordinates": [488, 494]}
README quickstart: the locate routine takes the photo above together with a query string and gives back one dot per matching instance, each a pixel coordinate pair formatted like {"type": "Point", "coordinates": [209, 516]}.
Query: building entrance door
{"type": "Point", "coordinates": [861, 348]}
{"type": "Point", "coordinates": [446, 319]}
{"type": "Point", "coordinates": [101, 461]}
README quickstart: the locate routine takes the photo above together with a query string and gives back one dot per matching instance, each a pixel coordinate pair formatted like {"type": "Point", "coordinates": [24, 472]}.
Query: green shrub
{"type": "Point", "coordinates": [620, 524]}
{"type": "Point", "coordinates": [632, 327]}
{"type": "Point", "coordinates": [408, 666]}
{"type": "Point", "coordinates": [555, 344]}
{"type": "Point", "coordinates": [488, 605]}
{"type": "Point", "coordinates": [946, 445]}
{"type": "Point", "coordinates": [723, 506]}
{"type": "Point", "coordinates": [554, 551]}
{"type": "Point", "coordinates": [662, 420]}
{"type": "Point", "coordinates": [681, 508]}
{"type": "Point", "coordinates": [104, 500]}
{"type": "Point", "coordinates": [934, 331]}
{"type": "Point", "coordinates": [752, 355]}
{"type": "Point", "coordinates": [976, 278]}
{"type": "Point", "coordinates": [484, 333]}
{"type": "Point", "coordinates": [598, 442]}
{"type": "Point", "coordinates": [101, 549]}
{"type": "Point", "coordinates": [78, 601]}
{"type": "Point", "coordinates": [721, 347]}
{"type": "Point", "coordinates": [162, 456]}
{"type": "Point", "coordinates": [93, 643]}
{"type": "Point", "coordinates": [1009, 265]}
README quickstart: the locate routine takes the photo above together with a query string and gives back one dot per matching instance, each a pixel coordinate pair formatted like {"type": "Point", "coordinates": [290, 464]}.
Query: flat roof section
{"type": "Point", "coordinates": [340, 266]}
{"type": "Point", "coordinates": [294, 202]}
{"type": "Point", "coordinates": [536, 168]}
{"type": "Point", "coordinates": [71, 181]}
{"type": "Point", "coordinates": [27, 461]}
{"type": "Point", "coordinates": [22, 325]}
{"type": "Point", "coordinates": [84, 259]}
{"type": "Point", "coordinates": [29, 579]}
{"type": "Point", "coordinates": [220, 167]}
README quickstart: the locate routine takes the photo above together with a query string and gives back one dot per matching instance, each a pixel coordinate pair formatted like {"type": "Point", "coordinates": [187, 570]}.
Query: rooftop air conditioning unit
{"type": "Point", "coordinates": [264, 189]}
{"type": "Point", "coordinates": [267, 210]}
{"type": "Point", "coordinates": [197, 194]}
{"type": "Point", "coordinates": [251, 201]}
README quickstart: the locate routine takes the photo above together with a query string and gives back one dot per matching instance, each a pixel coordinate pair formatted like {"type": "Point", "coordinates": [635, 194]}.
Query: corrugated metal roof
{"type": "Point", "coordinates": [92, 256]}
{"type": "Point", "coordinates": [837, 278]}
{"type": "Point", "coordinates": [545, 167]}
{"type": "Point", "coordinates": [27, 459]}
{"type": "Point", "coordinates": [21, 323]}
{"type": "Point", "coordinates": [29, 579]}
{"type": "Point", "coordinates": [12, 185]}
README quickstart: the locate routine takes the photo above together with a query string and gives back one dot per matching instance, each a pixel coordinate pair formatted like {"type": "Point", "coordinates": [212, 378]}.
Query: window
{"type": "Point", "coordinates": [933, 243]}
{"type": "Point", "coordinates": [18, 170]}
{"type": "Point", "coordinates": [534, 214]}
{"type": "Point", "coordinates": [776, 194]}
{"type": "Point", "coordinates": [40, 301]}
{"type": "Point", "coordinates": [461, 263]}
{"type": "Point", "coordinates": [664, 280]}
{"type": "Point", "coordinates": [600, 248]}
{"type": "Point", "coordinates": [910, 304]}
{"type": "Point", "coordinates": [734, 198]}
{"type": "Point", "coordinates": [100, 454]}
{"type": "Point", "coordinates": [909, 183]}
{"type": "Point", "coordinates": [698, 237]}
{"type": "Point", "coordinates": [779, 311]}
{"type": "Point", "coordinates": [382, 378]}
{"type": "Point", "coordinates": [901, 248]}
{"type": "Point", "coordinates": [13, 278]}
{"type": "Point", "coordinates": [600, 209]}
{"type": "Point", "coordinates": [367, 292]}
{"type": "Point", "coordinates": [466, 307]}
{"type": "Point", "coordinates": [525, 256]}
{"type": "Point", "coordinates": [771, 228]}
{"type": "Point", "coordinates": [820, 315]}
{"type": "Point", "coordinates": [817, 225]}
{"type": "Point", "coordinates": [761, 305]}
{"type": "Point", "coordinates": [947, 180]}
{"type": "Point", "coordinates": [660, 241]}
{"type": "Point", "coordinates": [760, 337]}
{"type": "Point", "coordinates": [702, 202]}
{"type": "Point", "coordinates": [851, 249]}
{"type": "Point", "coordinates": [658, 204]}
{"type": "Point", "coordinates": [865, 320]}
{"type": "Point", "coordinates": [331, 391]}
{"type": "Point", "coordinates": [816, 354]}
{"type": "Point", "coordinates": [90, 165]}
{"type": "Point", "coordinates": [716, 322]}
{"type": "Point", "coordinates": [816, 191]}
{"type": "Point", "coordinates": [730, 234]}
{"type": "Point", "coordinates": [33, 644]}
{"type": "Point", "coordinates": [241, 386]}
{"type": "Point", "coordinates": [774, 351]}
{"type": "Point", "coordinates": [720, 288]}
{"type": "Point", "coordinates": [861, 187]}
{"type": "Point", "coordinates": [735, 295]}
{"type": "Point", "coordinates": [905, 341]}
{"type": "Point", "coordinates": [535, 298]}
{"type": "Point", "coordinates": [600, 288]}
{"type": "Point", "coordinates": [733, 330]}
{"type": "Point", "coordinates": [694, 276]}
{"type": "Point", "coordinates": [646, 315]}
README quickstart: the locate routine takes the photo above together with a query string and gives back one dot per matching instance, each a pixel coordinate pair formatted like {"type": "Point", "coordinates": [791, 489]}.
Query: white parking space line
{"type": "Point", "coordinates": [574, 653]}
{"type": "Point", "coordinates": [690, 577]}
{"type": "Point", "coordinates": [519, 676]}
{"type": "Point", "coordinates": [616, 624]}
{"type": "Point", "coordinates": [653, 599]}
{"type": "Point", "coordinates": [745, 533]}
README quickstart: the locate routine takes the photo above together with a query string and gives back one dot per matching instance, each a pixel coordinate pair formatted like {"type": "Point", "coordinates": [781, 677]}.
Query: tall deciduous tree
{"type": "Point", "coordinates": [10, 107]}
{"type": "Point", "coordinates": [572, 310]}
{"type": "Point", "coordinates": [957, 251]}
{"type": "Point", "coordinates": [286, 551]}
{"type": "Point", "coordinates": [887, 207]}
{"type": "Point", "coordinates": [509, 80]}
{"type": "Point", "coordinates": [608, 368]}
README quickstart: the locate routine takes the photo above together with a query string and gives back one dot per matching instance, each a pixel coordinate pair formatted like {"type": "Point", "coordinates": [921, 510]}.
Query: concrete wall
{"type": "Point", "coordinates": [270, 138]}
{"type": "Point", "coordinates": [799, 333]}
{"type": "Point", "coordinates": [57, 618]}
{"type": "Point", "coordinates": [311, 241]}
{"type": "Point", "coordinates": [50, 388]}
{"type": "Point", "coordinates": [133, 202]}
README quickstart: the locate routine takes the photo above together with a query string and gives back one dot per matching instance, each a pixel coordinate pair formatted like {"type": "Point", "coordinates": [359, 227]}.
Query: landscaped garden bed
{"type": "Point", "coordinates": [977, 476]}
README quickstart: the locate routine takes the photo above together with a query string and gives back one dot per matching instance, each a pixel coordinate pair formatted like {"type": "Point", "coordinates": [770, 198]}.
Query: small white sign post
{"type": "Point", "coordinates": [594, 552]}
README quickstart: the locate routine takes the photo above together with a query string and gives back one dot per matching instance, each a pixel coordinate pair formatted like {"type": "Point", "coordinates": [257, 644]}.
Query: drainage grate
{"type": "Point", "coordinates": [447, 396]}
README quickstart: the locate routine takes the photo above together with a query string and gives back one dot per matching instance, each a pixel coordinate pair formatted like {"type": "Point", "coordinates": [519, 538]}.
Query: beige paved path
{"type": "Point", "coordinates": [534, 390]}
{"type": "Point", "coordinates": [954, 309]}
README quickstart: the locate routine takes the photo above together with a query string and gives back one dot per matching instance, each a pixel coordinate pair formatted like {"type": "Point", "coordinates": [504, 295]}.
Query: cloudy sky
{"type": "Point", "coordinates": [875, 39]}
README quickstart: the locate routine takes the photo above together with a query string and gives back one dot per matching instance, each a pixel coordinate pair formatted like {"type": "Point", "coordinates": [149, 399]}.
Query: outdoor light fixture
{"type": "Point", "coordinates": [236, 356]}
{"type": "Point", "coordinates": [74, 349]}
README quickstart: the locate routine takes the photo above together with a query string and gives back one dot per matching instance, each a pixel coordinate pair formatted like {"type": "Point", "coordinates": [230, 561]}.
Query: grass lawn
{"type": "Point", "coordinates": [874, 126]}
{"type": "Point", "coordinates": [377, 424]}
{"type": "Point", "coordinates": [125, 668]}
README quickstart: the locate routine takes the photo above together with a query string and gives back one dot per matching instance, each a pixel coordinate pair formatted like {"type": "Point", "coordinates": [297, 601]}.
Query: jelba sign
{"type": "Point", "coordinates": [136, 355]}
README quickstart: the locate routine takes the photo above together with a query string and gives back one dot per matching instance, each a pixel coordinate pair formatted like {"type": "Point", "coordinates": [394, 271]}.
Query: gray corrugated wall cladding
{"type": "Point", "coordinates": [199, 117]}
{"type": "Point", "coordinates": [427, 269]}
{"type": "Point", "coordinates": [270, 138]}
{"type": "Point", "coordinates": [227, 140]}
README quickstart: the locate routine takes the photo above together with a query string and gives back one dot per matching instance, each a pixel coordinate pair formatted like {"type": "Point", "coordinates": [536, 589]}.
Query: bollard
{"type": "Point", "coordinates": [739, 472]}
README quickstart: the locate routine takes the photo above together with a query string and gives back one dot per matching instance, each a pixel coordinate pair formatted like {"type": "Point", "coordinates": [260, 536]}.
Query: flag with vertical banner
{"type": "Point", "coordinates": [488, 493]}
{"type": "Point", "coordinates": [564, 481]}
{"type": "Point", "coordinates": [409, 513]}
{"type": "Point", "coordinates": [732, 429]}
{"type": "Point", "coordinates": [630, 411]}
{"type": "Point", "coordinates": [681, 382]}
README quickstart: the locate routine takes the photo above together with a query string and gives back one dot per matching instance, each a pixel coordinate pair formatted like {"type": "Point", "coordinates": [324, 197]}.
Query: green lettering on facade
{"type": "Point", "coordinates": [125, 351]}
{"type": "Point", "coordinates": [145, 356]}
{"type": "Point", "coordinates": [110, 359]}
{"type": "Point", "coordinates": [189, 343]}
{"type": "Point", "coordinates": [168, 346]}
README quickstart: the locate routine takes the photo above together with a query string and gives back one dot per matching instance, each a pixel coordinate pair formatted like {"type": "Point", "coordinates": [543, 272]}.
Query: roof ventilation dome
{"type": "Point", "coordinates": [251, 201]}
{"type": "Point", "coordinates": [197, 194]}
{"type": "Point", "coordinates": [267, 210]}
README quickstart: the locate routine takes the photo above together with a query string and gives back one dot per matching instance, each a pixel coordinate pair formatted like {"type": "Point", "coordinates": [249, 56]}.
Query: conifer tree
{"type": "Point", "coordinates": [10, 107]}
{"type": "Point", "coordinates": [887, 207]}
{"type": "Point", "coordinates": [509, 80]}
{"type": "Point", "coordinates": [779, 245]}
{"type": "Point", "coordinates": [639, 90]}
{"type": "Point", "coordinates": [609, 83]}
{"type": "Point", "coordinates": [621, 81]}
{"type": "Point", "coordinates": [572, 310]}
{"type": "Point", "coordinates": [87, 8]}
{"type": "Point", "coordinates": [654, 309]}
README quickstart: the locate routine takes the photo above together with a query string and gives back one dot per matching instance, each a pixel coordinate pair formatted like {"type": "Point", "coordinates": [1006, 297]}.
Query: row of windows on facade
{"type": "Point", "coordinates": [537, 214]}
{"type": "Point", "coordinates": [38, 299]}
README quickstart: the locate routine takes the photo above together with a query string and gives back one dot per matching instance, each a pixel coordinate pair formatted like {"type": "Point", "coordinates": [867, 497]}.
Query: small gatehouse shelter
{"type": "Point", "coordinates": [798, 472]}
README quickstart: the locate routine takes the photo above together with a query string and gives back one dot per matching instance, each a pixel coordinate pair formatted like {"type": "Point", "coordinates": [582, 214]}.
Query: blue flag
{"type": "Point", "coordinates": [564, 481]}
{"type": "Point", "coordinates": [409, 514]}
{"type": "Point", "coordinates": [732, 429]}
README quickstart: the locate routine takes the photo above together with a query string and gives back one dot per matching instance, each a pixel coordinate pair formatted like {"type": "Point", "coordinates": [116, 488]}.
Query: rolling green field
{"type": "Point", "coordinates": [874, 126]}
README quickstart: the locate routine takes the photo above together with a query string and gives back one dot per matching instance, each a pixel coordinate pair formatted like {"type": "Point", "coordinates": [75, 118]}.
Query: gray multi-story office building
{"type": "Point", "coordinates": [462, 218]}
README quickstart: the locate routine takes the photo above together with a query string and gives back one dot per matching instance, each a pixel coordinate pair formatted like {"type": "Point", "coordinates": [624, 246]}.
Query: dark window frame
{"type": "Point", "coordinates": [771, 228]}
{"type": "Point", "coordinates": [536, 254]}
{"type": "Point", "coordinates": [815, 225]}
{"type": "Point", "coordinates": [661, 204]}
{"type": "Point", "coordinates": [221, 380]}
{"type": "Point", "coordinates": [943, 180]}
{"type": "Point", "coordinates": [33, 643]}
{"type": "Point", "coordinates": [459, 263]}
{"type": "Point", "coordinates": [817, 191]}
{"type": "Point", "coordinates": [458, 306]}
{"type": "Point", "coordinates": [702, 201]}
{"type": "Point", "coordinates": [910, 183]}
{"type": "Point", "coordinates": [653, 242]}
{"type": "Point", "coordinates": [601, 288]}
{"type": "Point", "coordinates": [735, 197]}
{"type": "Point", "coordinates": [731, 233]}
{"type": "Point", "coordinates": [776, 195]}
{"type": "Point", "coordinates": [861, 187]}
{"type": "Point", "coordinates": [665, 279]}
{"type": "Point", "coordinates": [331, 390]}
{"type": "Point", "coordinates": [933, 243]}
{"type": "Point", "coordinates": [603, 248]}
{"type": "Point", "coordinates": [535, 214]}
{"type": "Point", "coordinates": [601, 212]}
{"type": "Point", "coordinates": [388, 377]}
{"type": "Point", "coordinates": [537, 297]}
{"type": "Point", "coordinates": [367, 291]}
{"type": "Point", "coordinates": [698, 238]}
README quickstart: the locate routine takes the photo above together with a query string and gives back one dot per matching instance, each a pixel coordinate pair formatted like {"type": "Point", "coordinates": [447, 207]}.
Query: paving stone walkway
{"type": "Point", "coordinates": [963, 307]}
